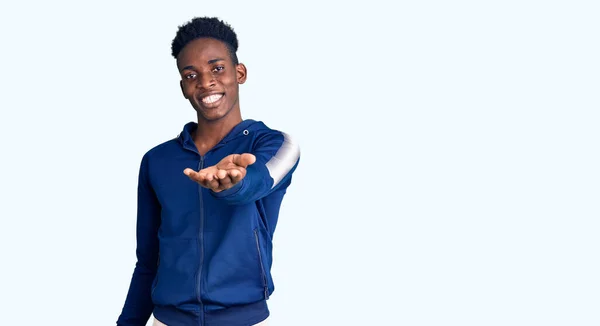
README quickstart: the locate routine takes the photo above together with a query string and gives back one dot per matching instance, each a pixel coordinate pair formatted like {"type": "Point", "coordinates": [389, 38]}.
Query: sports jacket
{"type": "Point", "coordinates": [204, 258]}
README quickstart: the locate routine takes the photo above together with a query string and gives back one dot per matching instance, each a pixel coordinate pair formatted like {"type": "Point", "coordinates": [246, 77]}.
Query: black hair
{"type": "Point", "coordinates": [205, 27]}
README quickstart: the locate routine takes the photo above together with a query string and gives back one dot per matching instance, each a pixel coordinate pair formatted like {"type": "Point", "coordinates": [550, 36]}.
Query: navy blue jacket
{"type": "Point", "coordinates": [204, 258]}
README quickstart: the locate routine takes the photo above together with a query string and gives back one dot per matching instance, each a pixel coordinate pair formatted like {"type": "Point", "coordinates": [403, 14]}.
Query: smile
{"type": "Point", "coordinates": [211, 99]}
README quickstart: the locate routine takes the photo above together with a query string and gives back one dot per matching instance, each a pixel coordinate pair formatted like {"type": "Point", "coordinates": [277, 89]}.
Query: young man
{"type": "Point", "coordinates": [208, 201]}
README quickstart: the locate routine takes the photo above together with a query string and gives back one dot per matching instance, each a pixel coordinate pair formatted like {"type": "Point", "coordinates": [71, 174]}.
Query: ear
{"type": "Point", "coordinates": [241, 73]}
{"type": "Point", "coordinates": [181, 86]}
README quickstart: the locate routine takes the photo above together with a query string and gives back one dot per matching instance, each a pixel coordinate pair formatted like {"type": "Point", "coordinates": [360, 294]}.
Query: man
{"type": "Point", "coordinates": [208, 201]}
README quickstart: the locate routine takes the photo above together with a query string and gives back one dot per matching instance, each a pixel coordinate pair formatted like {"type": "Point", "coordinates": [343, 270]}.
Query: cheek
{"type": "Point", "coordinates": [231, 79]}
{"type": "Point", "coordinates": [188, 91]}
{"type": "Point", "coordinates": [231, 84]}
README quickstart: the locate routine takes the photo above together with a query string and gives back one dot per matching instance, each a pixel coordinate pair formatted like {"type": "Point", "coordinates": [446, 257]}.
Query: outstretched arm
{"type": "Point", "coordinates": [247, 177]}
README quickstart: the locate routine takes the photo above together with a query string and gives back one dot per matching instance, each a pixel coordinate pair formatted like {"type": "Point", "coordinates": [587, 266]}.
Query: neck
{"type": "Point", "coordinates": [210, 133]}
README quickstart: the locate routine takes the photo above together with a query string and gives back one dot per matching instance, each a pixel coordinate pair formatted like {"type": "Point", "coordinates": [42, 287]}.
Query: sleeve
{"type": "Point", "coordinates": [277, 156]}
{"type": "Point", "coordinates": [138, 304]}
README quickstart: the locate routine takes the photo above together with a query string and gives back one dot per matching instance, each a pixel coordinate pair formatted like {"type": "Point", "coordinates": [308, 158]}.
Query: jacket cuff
{"type": "Point", "coordinates": [229, 192]}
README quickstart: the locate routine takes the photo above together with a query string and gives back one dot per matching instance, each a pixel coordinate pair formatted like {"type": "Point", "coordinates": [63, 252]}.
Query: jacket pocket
{"type": "Point", "coordinates": [262, 266]}
{"type": "Point", "coordinates": [155, 282]}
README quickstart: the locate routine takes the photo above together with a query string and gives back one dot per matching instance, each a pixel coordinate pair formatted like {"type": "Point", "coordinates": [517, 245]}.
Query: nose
{"type": "Point", "coordinates": [206, 81]}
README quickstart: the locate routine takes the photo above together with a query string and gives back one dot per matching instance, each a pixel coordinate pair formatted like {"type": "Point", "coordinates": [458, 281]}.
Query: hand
{"type": "Point", "coordinates": [225, 174]}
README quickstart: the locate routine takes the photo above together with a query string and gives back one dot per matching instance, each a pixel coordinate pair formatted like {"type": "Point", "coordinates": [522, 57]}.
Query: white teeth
{"type": "Point", "coordinates": [212, 98]}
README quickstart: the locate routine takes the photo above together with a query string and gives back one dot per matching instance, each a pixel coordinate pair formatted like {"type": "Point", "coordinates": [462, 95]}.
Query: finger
{"type": "Point", "coordinates": [189, 172]}
{"type": "Point", "coordinates": [224, 178]}
{"type": "Point", "coordinates": [221, 174]}
{"type": "Point", "coordinates": [213, 183]}
{"type": "Point", "coordinates": [243, 160]}
{"type": "Point", "coordinates": [199, 177]}
{"type": "Point", "coordinates": [193, 175]}
{"type": "Point", "coordinates": [237, 175]}
{"type": "Point", "coordinates": [225, 182]}
{"type": "Point", "coordinates": [209, 177]}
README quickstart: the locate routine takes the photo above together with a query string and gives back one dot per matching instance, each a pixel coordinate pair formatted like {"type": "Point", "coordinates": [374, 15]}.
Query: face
{"type": "Point", "coordinates": [209, 79]}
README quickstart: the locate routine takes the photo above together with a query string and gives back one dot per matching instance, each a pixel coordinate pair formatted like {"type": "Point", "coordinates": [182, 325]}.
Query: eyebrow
{"type": "Point", "coordinates": [209, 62]}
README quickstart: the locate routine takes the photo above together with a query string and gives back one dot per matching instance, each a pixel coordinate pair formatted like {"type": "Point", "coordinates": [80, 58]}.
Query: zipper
{"type": "Point", "coordinates": [201, 233]}
{"type": "Point", "coordinates": [262, 267]}
{"type": "Point", "coordinates": [201, 243]}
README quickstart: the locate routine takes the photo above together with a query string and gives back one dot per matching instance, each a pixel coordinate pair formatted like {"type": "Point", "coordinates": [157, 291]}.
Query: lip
{"type": "Point", "coordinates": [210, 105]}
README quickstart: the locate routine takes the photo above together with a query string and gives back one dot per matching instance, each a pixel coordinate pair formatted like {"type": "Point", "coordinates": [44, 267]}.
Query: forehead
{"type": "Point", "coordinates": [202, 50]}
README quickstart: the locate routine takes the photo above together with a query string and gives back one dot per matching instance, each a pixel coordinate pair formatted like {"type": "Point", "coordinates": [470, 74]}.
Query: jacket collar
{"type": "Point", "coordinates": [186, 140]}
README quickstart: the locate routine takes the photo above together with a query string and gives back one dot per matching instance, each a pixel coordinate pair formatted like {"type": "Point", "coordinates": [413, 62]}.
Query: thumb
{"type": "Point", "coordinates": [243, 160]}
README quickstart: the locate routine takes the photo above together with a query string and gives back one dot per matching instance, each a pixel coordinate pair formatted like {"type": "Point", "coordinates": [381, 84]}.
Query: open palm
{"type": "Point", "coordinates": [225, 174]}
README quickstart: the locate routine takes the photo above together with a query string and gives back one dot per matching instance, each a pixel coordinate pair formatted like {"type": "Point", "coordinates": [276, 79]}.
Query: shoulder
{"type": "Point", "coordinates": [161, 150]}
{"type": "Point", "coordinates": [263, 133]}
{"type": "Point", "coordinates": [276, 145]}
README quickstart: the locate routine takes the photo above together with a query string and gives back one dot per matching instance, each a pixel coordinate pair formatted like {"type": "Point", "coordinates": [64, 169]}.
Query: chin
{"type": "Point", "coordinates": [212, 116]}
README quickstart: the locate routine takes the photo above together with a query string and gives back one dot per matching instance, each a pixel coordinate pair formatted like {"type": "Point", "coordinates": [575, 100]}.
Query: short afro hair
{"type": "Point", "coordinates": [205, 27]}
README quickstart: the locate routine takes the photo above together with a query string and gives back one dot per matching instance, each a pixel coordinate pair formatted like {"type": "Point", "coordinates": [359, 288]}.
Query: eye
{"type": "Point", "coordinates": [218, 68]}
{"type": "Point", "coordinates": [190, 76]}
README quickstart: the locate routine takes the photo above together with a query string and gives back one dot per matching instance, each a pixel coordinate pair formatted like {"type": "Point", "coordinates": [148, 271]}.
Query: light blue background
{"type": "Point", "coordinates": [449, 171]}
